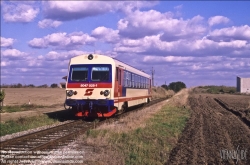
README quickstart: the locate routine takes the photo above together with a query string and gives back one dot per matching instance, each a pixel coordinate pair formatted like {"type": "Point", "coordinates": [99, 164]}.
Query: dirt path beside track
{"type": "Point", "coordinates": [210, 131]}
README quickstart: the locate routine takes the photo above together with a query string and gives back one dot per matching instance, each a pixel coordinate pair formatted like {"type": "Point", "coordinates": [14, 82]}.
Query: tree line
{"type": "Point", "coordinates": [19, 85]}
{"type": "Point", "coordinates": [175, 86]}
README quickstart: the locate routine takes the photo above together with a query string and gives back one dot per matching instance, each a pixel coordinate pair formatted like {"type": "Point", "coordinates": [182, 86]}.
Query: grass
{"type": "Point", "coordinates": [219, 89]}
{"type": "Point", "coordinates": [18, 108]}
{"type": "Point", "coordinates": [23, 124]}
{"type": "Point", "coordinates": [150, 144]}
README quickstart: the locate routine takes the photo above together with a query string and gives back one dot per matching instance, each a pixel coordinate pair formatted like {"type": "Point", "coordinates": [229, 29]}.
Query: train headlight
{"type": "Point", "coordinates": [106, 93]}
{"type": "Point", "coordinates": [90, 57]}
{"type": "Point", "coordinates": [70, 93]}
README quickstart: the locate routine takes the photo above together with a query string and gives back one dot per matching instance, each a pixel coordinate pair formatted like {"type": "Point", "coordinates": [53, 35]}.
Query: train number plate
{"type": "Point", "coordinates": [88, 85]}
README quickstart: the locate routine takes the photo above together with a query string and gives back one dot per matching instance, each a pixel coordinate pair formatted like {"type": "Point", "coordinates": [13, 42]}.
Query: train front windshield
{"type": "Point", "coordinates": [90, 73]}
{"type": "Point", "coordinates": [79, 74]}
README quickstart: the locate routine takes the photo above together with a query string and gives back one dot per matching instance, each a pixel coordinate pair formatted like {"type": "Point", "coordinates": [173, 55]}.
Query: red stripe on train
{"type": "Point", "coordinates": [89, 85]}
{"type": "Point", "coordinates": [118, 100]}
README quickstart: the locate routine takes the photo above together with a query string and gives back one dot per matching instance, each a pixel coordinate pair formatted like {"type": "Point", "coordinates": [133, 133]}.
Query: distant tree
{"type": "Point", "coordinates": [4, 86]}
{"type": "Point", "coordinates": [164, 86]}
{"type": "Point", "coordinates": [176, 86]}
{"type": "Point", "coordinates": [31, 85]}
{"type": "Point", "coordinates": [19, 85]}
{"type": "Point", "coordinates": [54, 85]}
{"type": "Point", "coordinates": [43, 86]}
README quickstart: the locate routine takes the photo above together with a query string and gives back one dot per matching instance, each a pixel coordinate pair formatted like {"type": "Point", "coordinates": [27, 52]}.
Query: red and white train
{"type": "Point", "coordinates": [100, 86]}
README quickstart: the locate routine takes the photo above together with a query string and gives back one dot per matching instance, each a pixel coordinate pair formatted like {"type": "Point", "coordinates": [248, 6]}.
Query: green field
{"type": "Point", "coordinates": [150, 144]}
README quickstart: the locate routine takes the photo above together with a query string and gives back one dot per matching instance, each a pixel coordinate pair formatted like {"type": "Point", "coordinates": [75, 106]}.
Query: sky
{"type": "Point", "coordinates": [198, 43]}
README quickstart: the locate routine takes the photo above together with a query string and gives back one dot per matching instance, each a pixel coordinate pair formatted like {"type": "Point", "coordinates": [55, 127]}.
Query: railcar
{"type": "Point", "coordinates": [100, 86]}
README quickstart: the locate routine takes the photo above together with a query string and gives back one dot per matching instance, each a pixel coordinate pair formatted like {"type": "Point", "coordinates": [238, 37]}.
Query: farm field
{"type": "Point", "coordinates": [42, 100]}
{"type": "Point", "coordinates": [37, 96]}
{"type": "Point", "coordinates": [212, 128]}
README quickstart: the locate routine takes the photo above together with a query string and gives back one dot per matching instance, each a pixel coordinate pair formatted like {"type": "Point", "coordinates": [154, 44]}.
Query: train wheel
{"type": "Point", "coordinates": [124, 107]}
{"type": "Point", "coordinates": [67, 107]}
{"type": "Point", "coordinates": [148, 100]}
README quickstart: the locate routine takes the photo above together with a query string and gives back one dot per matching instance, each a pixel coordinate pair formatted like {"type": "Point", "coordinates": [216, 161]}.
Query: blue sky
{"type": "Point", "coordinates": [199, 43]}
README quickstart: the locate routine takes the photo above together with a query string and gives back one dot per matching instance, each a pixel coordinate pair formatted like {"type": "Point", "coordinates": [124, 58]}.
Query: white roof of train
{"type": "Point", "coordinates": [106, 59]}
{"type": "Point", "coordinates": [130, 68]}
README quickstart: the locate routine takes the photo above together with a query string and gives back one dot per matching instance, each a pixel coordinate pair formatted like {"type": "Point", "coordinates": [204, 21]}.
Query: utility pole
{"type": "Point", "coordinates": [153, 72]}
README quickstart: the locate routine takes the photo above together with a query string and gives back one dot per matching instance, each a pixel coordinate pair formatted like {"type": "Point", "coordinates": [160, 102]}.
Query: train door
{"type": "Point", "coordinates": [118, 84]}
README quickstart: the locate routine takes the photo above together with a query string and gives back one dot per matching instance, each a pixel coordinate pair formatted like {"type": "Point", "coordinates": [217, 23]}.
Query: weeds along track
{"type": "Point", "coordinates": [30, 146]}
{"type": "Point", "coordinates": [210, 129]}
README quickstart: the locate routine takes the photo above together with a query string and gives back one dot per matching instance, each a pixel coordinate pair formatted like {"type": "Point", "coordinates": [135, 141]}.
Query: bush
{"type": "Point", "coordinates": [43, 86]}
{"type": "Point", "coordinates": [54, 85]}
{"type": "Point", "coordinates": [2, 95]}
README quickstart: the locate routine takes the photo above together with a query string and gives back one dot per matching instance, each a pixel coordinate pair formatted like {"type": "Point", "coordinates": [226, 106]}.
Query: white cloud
{"type": "Point", "coordinates": [4, 63]}
{"type": "Point", "coordinates": [7, 42]}
{"type": "Point", "coordinates": [17, 12]}
{"type": "Point", "coordinates": [71, 10]}
{"type": "Point", "coordinates": [167, 59]}
{"type": "Point", "coordinates": [178, 59]}
{"type": "Point", "coordinates": [13, 53]}
{"type": "Point", "coordinates": [62, 40]}
{"type": "Point", "coordinates": [217, 20]}
{"type": "Point", "coordinates": [155, 22]}
{"type": "Point", "coordinates": [38, 43]}
{"type": "Point", "coordinates": [49, 23]}
{"type": "Point", "coordinates": [231, 33]}
{"type": "Point", "coordinates": [59, 56]}
{"type": "Point", "coordinates": [153, 45]}
{"type": "Point", "coordinates": [106, 34]}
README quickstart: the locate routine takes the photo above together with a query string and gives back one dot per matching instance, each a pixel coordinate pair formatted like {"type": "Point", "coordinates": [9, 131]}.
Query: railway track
{"type": "Point", "coordinates": [30, 147]}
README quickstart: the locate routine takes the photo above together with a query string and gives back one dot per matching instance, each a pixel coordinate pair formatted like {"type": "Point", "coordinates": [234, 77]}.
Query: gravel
{"type": "Point", "coordinates": [14, 135]}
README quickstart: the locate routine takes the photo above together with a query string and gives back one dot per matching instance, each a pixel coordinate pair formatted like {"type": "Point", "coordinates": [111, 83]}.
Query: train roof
{"type": "Point", "coordinates": [130, 68]}
{"type": "Point", "coordinates": [106, 59]}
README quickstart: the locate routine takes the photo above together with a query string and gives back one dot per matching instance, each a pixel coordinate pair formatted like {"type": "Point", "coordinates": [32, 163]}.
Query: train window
{"type": "Point", "coordinates": [132, 80]}
{"type": "Point", "coordinates": [124, 78]}
{"type": "Point", "coordinates": [144, 85]}
{"type": "Point", "coordinates": [144, 82]}
{"type": "Point", "coordinates": [100, 74]}
{"type": "Point", "coordinates": [129, 79]}
{"type": "Point", "coordinates": [79, 74]}
{"type": "Point", "coordinates": [136, 81]}
{"type": "Point", "coordinates": [140, 82]}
